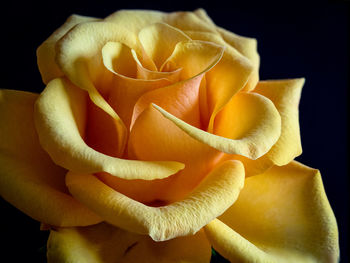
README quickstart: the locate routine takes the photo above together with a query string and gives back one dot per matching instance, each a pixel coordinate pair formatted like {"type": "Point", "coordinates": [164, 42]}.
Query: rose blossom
{"type": "Point", "coordinates": [154, 140]}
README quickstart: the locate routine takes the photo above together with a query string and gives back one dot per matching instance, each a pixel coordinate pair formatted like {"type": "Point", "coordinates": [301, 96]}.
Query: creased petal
{"type": "Point", "coordinates": [209, 200]}
{"type": "Point", "coordinates": [282, 215]}
{"type": "Point", "coordinates": [154, 137]}
{"type": "Point", "coordinates": [159, 40]}
{"type": "Point", "coordinates": [29, 180]}
{"type": "Point", "coordinates": [80, 58]}
{"type": "Point", "coordinates": [60, 119]}
{"type": "Point", "coordinates": [194, 57]}
{"type": "Point", "coordinates": [104, 243]}
{"type": "Point", "coordinates": [125, 89]}
{"type": "Point", "coordinates": [46, 52]}
{"type": "Point", "coordinates": [250, 125]}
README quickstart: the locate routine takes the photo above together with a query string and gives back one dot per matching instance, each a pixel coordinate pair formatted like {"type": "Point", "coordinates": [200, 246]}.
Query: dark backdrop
{"type": "Point", "coordinates": [294, 40]}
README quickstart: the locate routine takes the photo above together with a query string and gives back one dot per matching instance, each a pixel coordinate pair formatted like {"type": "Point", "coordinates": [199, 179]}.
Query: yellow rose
{"type": "Point", "coordinates": [154, 140]}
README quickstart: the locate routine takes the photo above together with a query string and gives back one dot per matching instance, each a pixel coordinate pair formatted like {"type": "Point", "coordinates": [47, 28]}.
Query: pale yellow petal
{"type": "Point", "coordinates": [29, 180]}
{"type": "Point", "coordinates": [105, 243]}
{"type": "Point", "coordinates": [60, 119]}
{"type": "Point", "coordinates": [209, 200]}
{"type": "Point", "coordinates": [159, 40]}
{"type": "Point", "coordinates": [285, 214]}
{"type": "Point", "coordinates": [135, 20]}
{"type": "Point", "coordinates": [194, 57]}
{"type": "Point", "coordinates": [80, 58]}
{"type": "Point", "coordinates": [249, 125]}
{"type": "Point", "coordinates": [46, 52]}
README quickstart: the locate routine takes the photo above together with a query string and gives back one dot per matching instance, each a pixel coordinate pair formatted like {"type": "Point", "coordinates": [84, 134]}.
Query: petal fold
{"type": "Point", "coordinates": [284, 214]}
{"type": "Point", "coordinates": [29, 180]}
{"type": "Point", "coordinates": [210, 199]}
{"type": "Point", "coordinates": [46, 52]}
{"type": "Point", "coordinates": [105, 243]}
{"type": "Point", "coordinates": [60, 119]}
{"type": "Point", "coordinates": [249, 125]}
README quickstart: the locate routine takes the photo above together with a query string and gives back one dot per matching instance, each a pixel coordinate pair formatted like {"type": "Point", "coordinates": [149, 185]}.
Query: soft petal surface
{"type": "Point", "coordinates": [282, 215]}
{"type": "Point", "coordinates": [210, 199]}
{"type": "Point", "coordinates": [154, 137]}
{"type": "Point", "coordinates": [60, 119]}
{"type": "Point", "coordinates": [249, 125]}
{"type": "Point", "coordinates": [46, 52]}
{"type": "Point", "coordinates": [104, 243]}
{"type": "Point", "coordinates": [159, 40]}
{"type": "Point", "coordinates": [29, 180]}
{"type": "Point", "coordinates": [285, 94]}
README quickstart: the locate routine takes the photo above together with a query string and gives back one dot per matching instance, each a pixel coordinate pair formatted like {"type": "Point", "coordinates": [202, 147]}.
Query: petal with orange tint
{"type": "Point", "coordinates": [282, 215]}
{"type": "Point", "coordinates": [210, 199]}
{"type": "Point", "coordinates": [60, 119]}
{"type": "Point", "coordinates": [249, 125]}
{"type": "Point", "coordinates": [159, 40]}
{"type": "Point", "coordinates": [153, 138]}
{"type": "Point", "coordinates": [104, 243]}
{"type": "Point", "coordinates": [228, 77]}
{"type": "Point", "coordinates": [125, 90]}
{"type": "Point", "coordinates": [29, 180]}
{"type": "Point", "coordinates": [181, 99]}
{"type": "Point", "coordinates": [46, 52]}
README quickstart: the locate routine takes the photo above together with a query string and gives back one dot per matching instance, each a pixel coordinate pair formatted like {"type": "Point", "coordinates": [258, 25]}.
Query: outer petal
{"type": "Point", "coordinates": [282, 215]}
{"type": "Point", "coordinates": [29, 180]}
{"type": "Point", "coordinates": [143, 18]}
{"type": "Point", "coordinates": [60, 121]}
{"type": "Point", "coordinates": [46, 52]}
{"type": "Point", "coordinates": [250, 125]}
{"type": "Point", "coordinates": [210, 199]}
{"type": "Point", "coordinates": [285, 95]}
{"type": "Point", "coordinates": [104, 243]}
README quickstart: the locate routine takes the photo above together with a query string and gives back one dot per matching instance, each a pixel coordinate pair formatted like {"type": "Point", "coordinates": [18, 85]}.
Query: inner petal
{"type": "Point", "coordinates": [159, 40]}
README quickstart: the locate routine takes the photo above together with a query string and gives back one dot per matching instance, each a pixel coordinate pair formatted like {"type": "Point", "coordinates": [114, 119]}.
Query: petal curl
{"type": "Point", "coordinates": [210, 199]}
{"type": "Point", "coordinates": [60, 121]}
{"type": "Point", "coordinates": [104, 243]}
{"type": "Point", "coordinates": [154, 137]}
{"type": "Point", "coordinates": [282, 215]}
{"type": "Point", "coordinates": [46, 52]}
{"type": "Point", "coordinates": [159, 40]}
{"type": "Point", "coordinates": [29, 180]}
{"type": "Point", "coordinates": [285, 94]}
{"type": "Point", "coordinates": [250, 125]}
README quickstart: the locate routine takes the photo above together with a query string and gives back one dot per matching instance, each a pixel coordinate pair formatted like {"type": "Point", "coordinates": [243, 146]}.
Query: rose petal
{"type": "Point", "coordinates": [46, 52]}
{"type": "Point", "coordinates": [181, 99]}
{"type": "Point", "coordinates": [29, 180]}
{"type": "Point", "coordinates": [210, 199]}
{"type": "Point", "coordinates": [250, 125]}
{"type": "Point", "coordinates": [282, 215]}
{"type": "Point", "coordinates": [194, 57]}
{"type": "Point", "coordinates": [79, 57]}
{"type": "Point", "coordinates": [154, 137]}
{"type": "Point", "coordinates": [125, 90]}
{"type": "Point", "coordinates": [143, 18]}
{"type": "Point", "coordinates": [60, 121]}
{"type": "Point", "coordinates": [285, 94]}
{"type": "Point", "coordinates": [159, 40]}
{"type": "Point", "coordinates": [104, 243]}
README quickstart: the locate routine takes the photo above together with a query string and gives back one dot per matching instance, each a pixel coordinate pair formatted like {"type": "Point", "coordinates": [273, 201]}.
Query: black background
{"type": "Point", "coordinates": [295, 39]}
